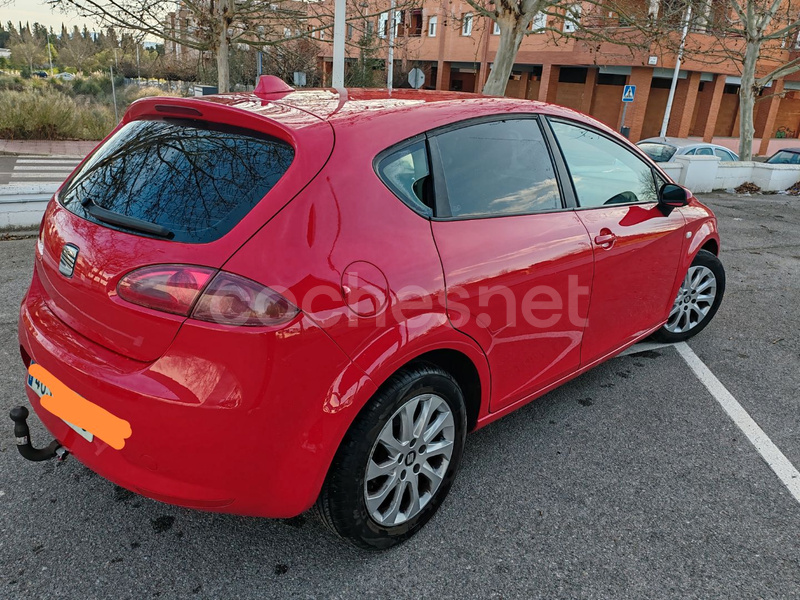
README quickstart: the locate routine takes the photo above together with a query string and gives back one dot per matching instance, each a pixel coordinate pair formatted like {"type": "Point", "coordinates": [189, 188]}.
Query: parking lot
{"type": "Point", "coordinates": [628, 482]}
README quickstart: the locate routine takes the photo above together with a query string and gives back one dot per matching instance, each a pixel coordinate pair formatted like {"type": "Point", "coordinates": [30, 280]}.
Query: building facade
{"type": "Point", "coordinates": [455, 48]}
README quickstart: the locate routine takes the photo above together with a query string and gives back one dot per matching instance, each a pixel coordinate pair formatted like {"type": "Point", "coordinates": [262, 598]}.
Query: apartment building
{"type": "Point", "coordinates": [455, 48]}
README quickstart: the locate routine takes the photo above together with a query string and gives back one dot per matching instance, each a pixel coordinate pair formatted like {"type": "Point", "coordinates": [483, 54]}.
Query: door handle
{"type": "Point", "coordinates": [605, 240]}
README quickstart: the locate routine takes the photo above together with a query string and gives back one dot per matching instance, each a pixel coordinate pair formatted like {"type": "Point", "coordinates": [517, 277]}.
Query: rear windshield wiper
{"type": "Point", "coordinates": [114, 218]}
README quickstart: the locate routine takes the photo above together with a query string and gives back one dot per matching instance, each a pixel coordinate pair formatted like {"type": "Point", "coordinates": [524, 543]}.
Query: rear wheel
{"type": "Point", "coordinates": [397, 461]}
{"type": "Point", "coordinates": [698, 299]}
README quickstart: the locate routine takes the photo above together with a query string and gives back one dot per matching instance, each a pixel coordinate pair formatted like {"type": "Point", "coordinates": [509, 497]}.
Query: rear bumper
{"type": "Point", "coordinates": [231, 420]}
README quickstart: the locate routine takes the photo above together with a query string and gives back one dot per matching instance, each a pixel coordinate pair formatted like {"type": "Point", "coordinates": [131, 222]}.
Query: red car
{"type": "Point", "coordinates": [260, 303]}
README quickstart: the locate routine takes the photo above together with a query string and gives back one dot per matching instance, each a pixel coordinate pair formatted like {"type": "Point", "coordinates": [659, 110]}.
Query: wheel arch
{"type": "Point", "coordinates": [463, 370]}
{"type": "Point", "coordinates": [711, 245]}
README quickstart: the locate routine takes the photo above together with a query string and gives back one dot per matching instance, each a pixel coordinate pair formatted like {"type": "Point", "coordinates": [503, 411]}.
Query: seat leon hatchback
{"type": "Point", "coordinates": [262, 303]}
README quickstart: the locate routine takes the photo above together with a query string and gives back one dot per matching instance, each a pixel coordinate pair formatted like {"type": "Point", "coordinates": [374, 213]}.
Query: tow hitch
{"type": "Point", "coordinates": [23, 435]}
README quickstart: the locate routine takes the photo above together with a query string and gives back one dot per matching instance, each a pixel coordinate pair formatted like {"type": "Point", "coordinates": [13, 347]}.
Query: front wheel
{"type": "Point", "coordinates": [397, 461]}
{"type": "Point", "coordinates": [698, 299]}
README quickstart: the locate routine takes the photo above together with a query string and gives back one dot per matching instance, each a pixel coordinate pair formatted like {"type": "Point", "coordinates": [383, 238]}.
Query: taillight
{"type": "Point", "coordinates": [168, 288]}
{"type": "Point", "coordinates": [233, 300]}
{"type": "Point", "coordinates": [228, 299]}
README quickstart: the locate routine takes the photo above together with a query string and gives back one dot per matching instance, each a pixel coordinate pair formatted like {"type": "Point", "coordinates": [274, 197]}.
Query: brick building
{"type": "Point", "coordinates": [455, 49]}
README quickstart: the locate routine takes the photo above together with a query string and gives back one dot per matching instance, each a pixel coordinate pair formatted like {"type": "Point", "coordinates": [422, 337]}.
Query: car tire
{"type": "Point", "coordinates": [697, 301]}
{"type": "Point", "coordinates": [396, 450]}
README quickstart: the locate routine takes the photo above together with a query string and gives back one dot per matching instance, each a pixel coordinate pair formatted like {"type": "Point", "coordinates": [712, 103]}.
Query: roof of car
{"type": "Point", "coordinates": [678, 142]}
{"type": "Point", "coordinates": [354, 105]}
{"type": "Point", "coordinates": [794, 150]}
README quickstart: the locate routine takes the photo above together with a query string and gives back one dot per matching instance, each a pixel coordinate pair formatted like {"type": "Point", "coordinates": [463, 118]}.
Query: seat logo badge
{"type": "Point", "coordinates": [69, 256]}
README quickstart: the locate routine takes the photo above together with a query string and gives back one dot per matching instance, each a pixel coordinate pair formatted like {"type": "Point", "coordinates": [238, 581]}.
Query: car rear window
{"type": "Point", "coordinates": [195, 179]}
{"type": "Point", "coordinates": [658, 152]}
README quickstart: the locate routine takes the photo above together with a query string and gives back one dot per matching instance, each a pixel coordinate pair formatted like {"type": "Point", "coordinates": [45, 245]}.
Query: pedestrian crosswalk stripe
{"type": "Point", "coordinates": [47, 162]}
{"type": "Point", "coordinates": [43, 168]}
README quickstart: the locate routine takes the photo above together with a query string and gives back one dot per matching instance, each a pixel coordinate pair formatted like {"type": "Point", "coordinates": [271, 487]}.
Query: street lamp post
{"type": "Point", "coordinates": [50, 54]}
{"type": "Point", "coordinates": [676, 73]}
{"type": "Point", "coordinates": [339, 18]}
{"type": "Point", "coordinates": [390, 65]}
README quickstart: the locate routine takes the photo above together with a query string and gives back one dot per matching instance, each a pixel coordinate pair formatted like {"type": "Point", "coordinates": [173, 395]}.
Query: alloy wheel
{"type": "Point", "coordinates": [694, 301]}
{"type": "Point", "coordinates": [409, 460]}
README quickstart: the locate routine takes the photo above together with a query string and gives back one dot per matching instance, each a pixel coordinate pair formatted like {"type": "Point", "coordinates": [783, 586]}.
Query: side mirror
{"type": "Point", "coordinates": [672, 196]}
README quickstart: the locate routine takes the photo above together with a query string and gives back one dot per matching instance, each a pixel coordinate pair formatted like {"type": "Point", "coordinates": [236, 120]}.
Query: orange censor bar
{"type": "Point", "coordinates": [69, 406]}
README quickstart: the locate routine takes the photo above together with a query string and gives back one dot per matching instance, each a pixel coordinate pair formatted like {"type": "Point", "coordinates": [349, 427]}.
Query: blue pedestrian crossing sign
{"type": "Point", "coordinates": [628, 93]}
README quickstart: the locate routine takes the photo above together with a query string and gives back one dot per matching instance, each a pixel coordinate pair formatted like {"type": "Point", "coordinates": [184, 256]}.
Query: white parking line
{"type": "Point", "coordinates": [776, 460]}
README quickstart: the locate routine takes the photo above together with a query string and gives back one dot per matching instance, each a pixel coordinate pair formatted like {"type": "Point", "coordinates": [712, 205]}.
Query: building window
{"type": "Point", "coordinates": [383, 22]}
{"type": "Point", "coordinates": [466, 25]}
{"type": "Point", "coordinates": [415, 22]}
{"type": "Point", "coordinates": [349, 31]}
{"type": "Point", "coordinates": [572, 74]}
{"type": "Point", "coordinates": [496, 28]}
{"type": "Point", "coordinates": [432, 26]}
{"type": "Point", "coordinates": [539, 22]}
{"type": "Point", "coordinates": [572, 18]}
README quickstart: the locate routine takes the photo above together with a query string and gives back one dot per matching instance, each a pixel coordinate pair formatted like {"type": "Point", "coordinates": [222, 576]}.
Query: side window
{"type": "Point", "coordinates": [690, 152]}
{"type": "Point", "coordinates": [498, 168]}
{"type": "Point", "coordinates": [406, 173]}
{"type": "Point", "coordinates": [706, 151]}
{"type": "Point", "coordinates": [603, 171]}
{"type": "Point", "coordinates": [724, 155]}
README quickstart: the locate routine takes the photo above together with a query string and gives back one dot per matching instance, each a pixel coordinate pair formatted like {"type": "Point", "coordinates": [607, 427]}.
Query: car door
{"type": "Point", "coordinates": [517, 263]}
{"type": "Point", "coordinates": [723, 155]}
{"type": "Point", "coordinates": [636, 247]}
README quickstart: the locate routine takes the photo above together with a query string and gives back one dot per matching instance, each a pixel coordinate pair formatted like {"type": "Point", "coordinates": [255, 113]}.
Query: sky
{"type": "Point", "coordinates": [37, 10]}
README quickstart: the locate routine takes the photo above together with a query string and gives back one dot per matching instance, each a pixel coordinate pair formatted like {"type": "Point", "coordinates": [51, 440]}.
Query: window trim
{"type": "Point", "coordinates": [467, 24]}
{"type": "Point", "coordinates": [647, 161]}
{"type": "Point", "coordinates": [433, 21]}
{"type": "Point", "coordinates": [442, 202]}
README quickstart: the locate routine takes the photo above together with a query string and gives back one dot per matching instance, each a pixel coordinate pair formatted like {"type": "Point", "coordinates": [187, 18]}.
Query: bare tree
{"type": "Point", "coordinates": [205, 25]}
{"type": "Point", "coordinates": [754, 35]}
{"type": "Point", "coordinates": [514, 18]}
{"type": "Point", "coordinates": [767, 27]}
{"type": "Point", "coordinates": [630, 26]}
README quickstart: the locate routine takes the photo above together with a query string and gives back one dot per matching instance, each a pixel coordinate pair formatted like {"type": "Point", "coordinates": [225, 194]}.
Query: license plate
{"type": "Point", "coordinates": [40, 390]}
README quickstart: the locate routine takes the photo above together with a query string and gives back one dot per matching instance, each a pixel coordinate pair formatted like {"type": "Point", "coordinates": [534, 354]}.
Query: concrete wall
{"type": "Point", "coordinates": [706, 173]}
{"type": "Point", "coordinates": [18, 212]}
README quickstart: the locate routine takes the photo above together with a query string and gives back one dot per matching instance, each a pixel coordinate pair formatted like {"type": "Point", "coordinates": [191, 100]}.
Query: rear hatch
{"type": "Point", "coordinates": [179, 182]}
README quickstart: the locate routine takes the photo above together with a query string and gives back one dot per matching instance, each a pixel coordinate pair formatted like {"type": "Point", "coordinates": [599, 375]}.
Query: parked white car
{"type": "Point", "coordinates": [665, 149]}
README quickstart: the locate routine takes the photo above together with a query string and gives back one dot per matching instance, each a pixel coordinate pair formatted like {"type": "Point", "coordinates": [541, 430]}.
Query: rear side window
{"type": "Point", "coordinates": [705, 151]}
{"type": "Point", "coordinates": [195, 179]}
{"type": "Point", "coordinates": [724, 155]}
{"type": "Point", "coordinates": [407, 174]}
{"type": "Point", "coordinates": [498, 168]}
{"type": "Point", "coordinates": [658, 152]}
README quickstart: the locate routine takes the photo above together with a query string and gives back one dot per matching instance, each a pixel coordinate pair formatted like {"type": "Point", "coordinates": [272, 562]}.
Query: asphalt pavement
{"type": "Point", "coordinates": [628, 482]}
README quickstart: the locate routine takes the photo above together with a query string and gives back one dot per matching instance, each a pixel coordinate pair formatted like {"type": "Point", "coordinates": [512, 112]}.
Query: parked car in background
{"type": "Point", "coordinates": [666, 149]}
{"type": "Point", "coordinates": [230, 312]}
{"type": "Point", "coordinates": [64, 76]}
{"type": "Point", "coordinates": [787, 156]}
{"type": "Point", "coordinates": [40, 74]}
